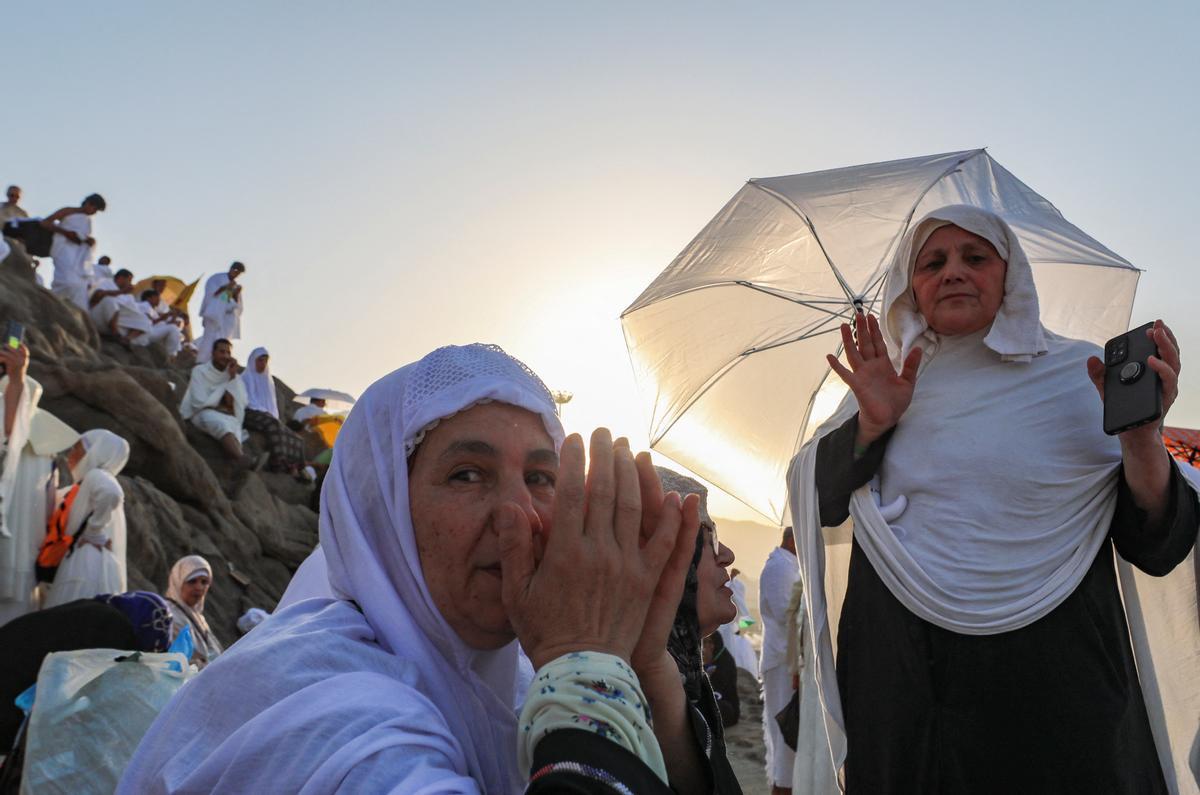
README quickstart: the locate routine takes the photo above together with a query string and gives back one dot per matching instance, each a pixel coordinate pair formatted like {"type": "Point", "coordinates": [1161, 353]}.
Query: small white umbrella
{"type": "Point", "coordinates": [318, 393]}
{"type": "Point", "coordinates": [728, 344]}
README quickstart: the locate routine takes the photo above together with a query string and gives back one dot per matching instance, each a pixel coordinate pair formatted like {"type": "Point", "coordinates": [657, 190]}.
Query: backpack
{"type": "Point", "coordinates": [58, 542]}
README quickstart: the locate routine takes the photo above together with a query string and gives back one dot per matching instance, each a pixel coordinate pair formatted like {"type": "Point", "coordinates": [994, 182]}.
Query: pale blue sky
{"type": "Point", "coordinates": [400, 176]}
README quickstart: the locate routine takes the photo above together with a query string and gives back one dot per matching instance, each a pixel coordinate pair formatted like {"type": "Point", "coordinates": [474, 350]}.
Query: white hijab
{"type": "Point", "coordinates": [105, 450]}
{"type": "Point", "coordinates": [397, 698]}
{"type": "Point", "coordinates": [185, 570]}
{"type": "Point", "coordinates": [1009, 411]}
{"type": "Point", "coordinates": [101, 500]}
{"type": "Point", "coordinates": [260, 387]}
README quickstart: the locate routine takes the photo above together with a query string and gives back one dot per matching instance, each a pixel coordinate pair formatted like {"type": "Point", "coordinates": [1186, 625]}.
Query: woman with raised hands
{"type": "Point", "coordinates": [982, 644]}
{"type": "Point", "coordinates": [458, 527]}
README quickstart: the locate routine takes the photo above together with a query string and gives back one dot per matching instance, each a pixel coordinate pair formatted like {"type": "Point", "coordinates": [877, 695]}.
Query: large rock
{"type": "Point", "coordinates": [182, 496]}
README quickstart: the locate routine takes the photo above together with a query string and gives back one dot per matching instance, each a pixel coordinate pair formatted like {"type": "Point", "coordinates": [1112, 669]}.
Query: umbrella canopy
{"type": "Point", "coordinates": [48, 435]}
{"type": "Point", "coordinates": [325, 394]}
{"type": "Point", "coordinates": [728, 344]}
{"type": "Point", "coordinates": [328, 428]}
{"type": "Point", "coordinates": [175, 293]}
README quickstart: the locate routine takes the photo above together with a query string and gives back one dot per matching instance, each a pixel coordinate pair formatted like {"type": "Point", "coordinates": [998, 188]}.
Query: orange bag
{"type": "Point", "coordinates": [58, 541]}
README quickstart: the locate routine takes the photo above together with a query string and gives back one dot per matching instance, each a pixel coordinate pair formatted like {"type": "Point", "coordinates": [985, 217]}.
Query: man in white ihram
{"type": "Point", "coordinates": [114, 310]}
{"type": "Point", "coordinates": [221, 310]}
{"type": "Point", "coordinates": [215, 401]}
{"type": "Point", "coordinates": [779, 576]}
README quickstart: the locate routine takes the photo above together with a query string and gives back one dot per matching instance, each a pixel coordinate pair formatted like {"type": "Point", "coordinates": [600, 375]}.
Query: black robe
{"type": "Point", "coordinates": [1054, 707]}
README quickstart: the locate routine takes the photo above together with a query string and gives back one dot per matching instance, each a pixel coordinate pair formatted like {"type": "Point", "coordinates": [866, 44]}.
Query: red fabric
{"type": "Point", "coordinates": [1183, 444]}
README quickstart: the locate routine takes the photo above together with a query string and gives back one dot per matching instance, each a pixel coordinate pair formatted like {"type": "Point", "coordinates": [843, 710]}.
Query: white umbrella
{"type": "Point", "coordinates": [728, 344]}
{"type": "Point", "coordinates": [326, 394]}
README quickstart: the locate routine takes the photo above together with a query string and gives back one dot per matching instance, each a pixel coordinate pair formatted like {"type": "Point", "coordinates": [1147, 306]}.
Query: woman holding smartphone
{"type": "Point", "coordinates": [982, 643]}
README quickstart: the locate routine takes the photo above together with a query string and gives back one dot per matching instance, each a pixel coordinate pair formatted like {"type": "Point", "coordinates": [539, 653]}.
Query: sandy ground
{"type": "Point", "coordinates": [744, 740]}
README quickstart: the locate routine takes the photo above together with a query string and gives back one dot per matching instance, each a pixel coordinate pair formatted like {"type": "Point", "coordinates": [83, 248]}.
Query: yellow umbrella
{"type": "Point", "coordinates": [181, 301]}
{"type": "Point", "coordinates": [327, 427]}
{"type": "Point", "coordinates": [170, 293]}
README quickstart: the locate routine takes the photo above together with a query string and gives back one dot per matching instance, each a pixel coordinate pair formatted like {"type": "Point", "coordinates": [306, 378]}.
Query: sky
{"type": "Point", "coordinates": [400, 176]}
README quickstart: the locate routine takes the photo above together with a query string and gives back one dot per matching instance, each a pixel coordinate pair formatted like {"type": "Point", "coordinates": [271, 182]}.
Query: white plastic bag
{"type": "Point", "coordinates": [91, 709]}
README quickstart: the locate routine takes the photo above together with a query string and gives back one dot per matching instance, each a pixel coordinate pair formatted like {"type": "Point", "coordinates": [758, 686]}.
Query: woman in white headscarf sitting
{"type": "Point", "coordinates": [96, 520]}
{"type": "Point", "coordinates": [982, 644]}
{"type": "Point", "coordinates": [262, 415]}
{"type": "Point", "coordinates": [447, 479]}
{"type": "Point", "coordinates": [187, 585]}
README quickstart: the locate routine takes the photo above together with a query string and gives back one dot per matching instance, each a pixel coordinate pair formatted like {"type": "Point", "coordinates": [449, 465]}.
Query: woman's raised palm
{"type": "Point", "coordinates": [883, 395]}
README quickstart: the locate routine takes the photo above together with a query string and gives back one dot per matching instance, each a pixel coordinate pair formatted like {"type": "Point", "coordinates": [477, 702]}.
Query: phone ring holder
{"type": "Point", "coordinates": [1131, 372]}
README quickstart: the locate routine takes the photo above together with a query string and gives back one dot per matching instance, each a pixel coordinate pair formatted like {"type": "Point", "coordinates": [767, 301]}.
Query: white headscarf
{"type": "Point", "coordinates": [260, 387]}
{"type": "Point", "coordinates": [1009, 411]}
{"type": "Point", "coordinates": [383, 698]}
{"type": "Point", "coordinates": [185, 570]}
{"type": "Point", "coordinates": [1016, 333]}
{"type": "Point", "coordinates": [105, 450]}
{"type": "Point", "coordinates": [371, 551]}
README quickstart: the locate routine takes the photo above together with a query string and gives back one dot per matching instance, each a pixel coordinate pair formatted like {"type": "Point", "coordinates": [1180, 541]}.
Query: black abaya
{"type": "Point", "coordinates": [1054, 707]}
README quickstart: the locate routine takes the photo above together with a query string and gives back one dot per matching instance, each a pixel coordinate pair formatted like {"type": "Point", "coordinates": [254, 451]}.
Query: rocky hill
{"type": "Point", "coordinates": [181, 495]}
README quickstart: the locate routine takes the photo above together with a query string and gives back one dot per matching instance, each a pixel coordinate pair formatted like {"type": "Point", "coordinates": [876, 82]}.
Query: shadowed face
{"type": "Point", "coordinates": [466, 467]}
{"type": "Point", "coordinates": [958, 281]}
{"type": "Point", "coordinates": [221, 354]}
{"type": "Point", "coordinates": [714, 599]}
{"type": "Point", "coordinates": [194, 590]}
{"type": "Point", "coordinates": [260, 364]}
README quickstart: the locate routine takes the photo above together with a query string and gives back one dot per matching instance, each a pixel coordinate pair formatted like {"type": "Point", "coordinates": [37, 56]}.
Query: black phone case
{"type": "Point", "coordinates": [1132, 391]}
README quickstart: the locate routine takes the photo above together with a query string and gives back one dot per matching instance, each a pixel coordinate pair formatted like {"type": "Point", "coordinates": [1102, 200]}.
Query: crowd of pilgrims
{"type": "Point", "coordinates": [492, 608]}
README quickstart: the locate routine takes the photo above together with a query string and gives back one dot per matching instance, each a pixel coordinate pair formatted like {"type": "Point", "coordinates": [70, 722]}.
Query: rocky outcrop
{"type": "Point", "coordinates": [181, 495]}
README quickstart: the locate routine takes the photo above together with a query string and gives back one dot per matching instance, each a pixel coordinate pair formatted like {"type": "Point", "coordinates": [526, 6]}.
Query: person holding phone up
{"type": "Point", "coordinates": [983, 644]}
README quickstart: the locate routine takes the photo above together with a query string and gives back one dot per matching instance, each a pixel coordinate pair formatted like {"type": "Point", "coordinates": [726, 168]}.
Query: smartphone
{"type": "Point", "coordinates": [14, 335]}
{"type": "Point", "coordinates": [1132, 391]}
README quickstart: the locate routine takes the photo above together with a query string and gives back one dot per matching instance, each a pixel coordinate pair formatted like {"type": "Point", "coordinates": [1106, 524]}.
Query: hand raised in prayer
{"type": "Point", "coordinates": [597, 574]}
{"type": "Point", "coordinates": [651, 650]}
{"type": "Point", "coordinates": [883, 395]}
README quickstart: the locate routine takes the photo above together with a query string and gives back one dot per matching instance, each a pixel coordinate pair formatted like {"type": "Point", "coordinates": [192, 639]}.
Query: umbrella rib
{"type": "Point", "coordinates": [911, 210]}
{"type": "Point", "coordinates": [813, 231]}
{"type": "Point", "coordinates": [808, 335]}
{"type": "Point", "coordinates": [811, 304]}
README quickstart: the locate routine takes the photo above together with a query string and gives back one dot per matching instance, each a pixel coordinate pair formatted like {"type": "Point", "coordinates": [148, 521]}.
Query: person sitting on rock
{"type": "Point", "coordinates": [163, 325]}
{"type": "Point", "coordinates": [262, 415]}
{"type": "Point", "coordinates": [187, 585]}
{"type": "Point", "coordinates": [179, 314]}
{"type": "Point", "coordinates": [116, 313]}
{"type": "Point", "coordinates": [101, 270]}
{"type": "Point", "coordinates": [215, 401]}
{"type": "Point", "coordinates": [314, 409]}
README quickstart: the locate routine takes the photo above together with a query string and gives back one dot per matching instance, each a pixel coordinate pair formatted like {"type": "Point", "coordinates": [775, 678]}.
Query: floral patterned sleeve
{"type": "Point", "coordinates": [586, 727]}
